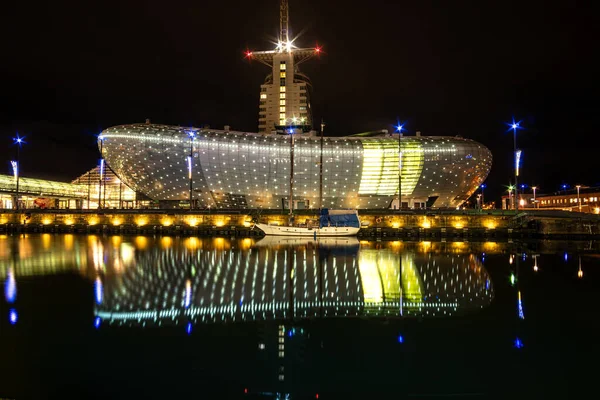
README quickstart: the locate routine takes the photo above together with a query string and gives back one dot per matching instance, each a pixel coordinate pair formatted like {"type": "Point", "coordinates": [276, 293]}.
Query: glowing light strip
{"type": "Point", "coordinates": [15, 168]}
{"type": "Point", "coordinates": [101, 168]}
{"type": "Point", "coordinates": [517, 161]}
{"type": "Point", "coordinates": [520, 306]}
{"type": "Point", "coordinates": [188, 294]}
{"type": "Point", "coordinates": [189, 162]}
{"type": "Point", "coordinates": [10, 287]}
{"type": "Point", "coordinates": [98, 290]}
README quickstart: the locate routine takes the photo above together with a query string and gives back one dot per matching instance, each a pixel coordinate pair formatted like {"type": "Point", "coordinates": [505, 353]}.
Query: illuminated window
{"type": "Point", "coordinates": [282, 102]}
{"type": "Point", "coordinates": [282, 74]}
{"type": "Point", "coordinates": [282, 95]}
{"type": "Point", "coordinates": [282, 122]}
{"type": "Point", "coordinates": [282, 88]}
{"type": "Point", "coordinates": [282, 109]}
{"type": "Point", "coordinates": [263, 95]}
{"type": "Point", "coordinates": [282, 65]}
{"type": "Point", "coordinates": [281, 354]}
{"type": "Point", "coordinates": [281, 115]}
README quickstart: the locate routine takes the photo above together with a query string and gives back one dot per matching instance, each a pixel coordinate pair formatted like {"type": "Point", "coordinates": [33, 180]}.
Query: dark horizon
{"type": "Point", "coordinates": [71, 71]}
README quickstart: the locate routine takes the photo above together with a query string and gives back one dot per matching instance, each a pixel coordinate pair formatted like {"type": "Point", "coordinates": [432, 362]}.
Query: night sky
{"type": "Point", "coordinates": [72, 68]}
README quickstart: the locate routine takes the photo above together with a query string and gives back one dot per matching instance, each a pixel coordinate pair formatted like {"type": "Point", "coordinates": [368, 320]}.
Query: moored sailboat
{"type": "Point", "coordinates": [329, 223]}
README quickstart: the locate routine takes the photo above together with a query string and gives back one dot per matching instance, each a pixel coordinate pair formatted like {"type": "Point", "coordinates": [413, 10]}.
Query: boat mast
{"type": "Point", "coordinates": [321, 169]}
{"type": "Point", "coordinates": [291, 201]}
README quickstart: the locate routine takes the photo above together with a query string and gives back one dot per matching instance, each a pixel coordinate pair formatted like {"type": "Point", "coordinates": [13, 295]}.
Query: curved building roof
{"type": "Point", "coordinates": [248, 170]}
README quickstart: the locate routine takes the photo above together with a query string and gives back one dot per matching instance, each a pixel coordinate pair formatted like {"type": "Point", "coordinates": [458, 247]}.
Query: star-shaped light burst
{"type": "Point", "coordinates": [18, 140]}
{"type": "Point", "coordinates": [514, 125]}
{"type": "Point", "coordinates": [399, 127]}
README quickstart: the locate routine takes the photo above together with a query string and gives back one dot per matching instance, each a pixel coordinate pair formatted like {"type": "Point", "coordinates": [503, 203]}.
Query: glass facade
{"type": "Point", "coordinates": [237, 169]}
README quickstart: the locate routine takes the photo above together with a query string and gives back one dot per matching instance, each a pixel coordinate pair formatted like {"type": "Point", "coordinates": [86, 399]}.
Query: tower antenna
{"type": "Point", "coordinates": [284, 17]}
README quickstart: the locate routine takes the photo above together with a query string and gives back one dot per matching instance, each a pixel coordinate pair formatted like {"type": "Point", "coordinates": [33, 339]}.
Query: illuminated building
{"type": "Point", "coordinates": [285, 93]}
{"type": "Point", "coordinates": [111, 193]}
{"type": "Point", "coordinates": [40, 193]}
{"type": "Point", "coordinates": [248, 170]}
{"type": "Point", "coordinates": [587, 201]}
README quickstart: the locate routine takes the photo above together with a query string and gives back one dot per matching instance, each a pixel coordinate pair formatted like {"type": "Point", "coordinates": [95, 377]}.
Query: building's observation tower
{"type": "Point", "coordinates": [285, 94]}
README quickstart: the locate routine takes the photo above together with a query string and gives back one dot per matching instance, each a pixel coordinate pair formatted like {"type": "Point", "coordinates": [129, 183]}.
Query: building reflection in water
{"type": "Point", "coordinates": [182, 280]}
{"type": "Point", "coordinates": [276, 278]}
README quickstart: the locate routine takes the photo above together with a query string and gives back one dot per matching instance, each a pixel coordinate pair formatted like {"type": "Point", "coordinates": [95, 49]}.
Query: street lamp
{"type": "Point", "coordinates": [17, 167]}
{"type": "Point", "coordinates": [399, 129]}
{"type": "Point", "coordinates": [534, 203]}
{"type": "Point", "coordinates": [517, 154]}
{"type": "Point", "coordinates": [101, 170]}
{"type": "Point", "coordinates": [482, 187]}
{"type": "Point", "coordinates": [190, 159]}
{"type": "Point", "coordinates": [578, 199]}
{"type": "Point", "coordinates": [510, 193]}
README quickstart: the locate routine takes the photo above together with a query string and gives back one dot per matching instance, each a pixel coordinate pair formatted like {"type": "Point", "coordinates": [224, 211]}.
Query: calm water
{"type": "Point", "coordinates": [160, 317]}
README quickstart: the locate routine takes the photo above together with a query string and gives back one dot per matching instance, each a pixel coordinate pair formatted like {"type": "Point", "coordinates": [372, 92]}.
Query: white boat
{"type": "Point", "coordinates": [330, 222]}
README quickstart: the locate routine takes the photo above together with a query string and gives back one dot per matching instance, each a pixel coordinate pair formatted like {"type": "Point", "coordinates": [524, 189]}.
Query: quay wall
{"type": "Point", "coordinates": [374, 223]}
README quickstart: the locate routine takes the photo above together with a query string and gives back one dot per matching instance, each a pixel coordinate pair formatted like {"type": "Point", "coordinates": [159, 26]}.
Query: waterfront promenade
{"type": "Point", "coordinates": [377, 223]}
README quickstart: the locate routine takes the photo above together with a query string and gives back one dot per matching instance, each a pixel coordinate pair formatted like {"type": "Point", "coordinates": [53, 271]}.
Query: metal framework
{"type": "Point", "coordinates": [41, 188]}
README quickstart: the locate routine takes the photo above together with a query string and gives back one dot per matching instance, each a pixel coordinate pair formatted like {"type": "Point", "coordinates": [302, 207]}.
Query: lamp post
{"type": "Point", "coordinates": [510, 194]}
{"type": "Point", "coordinates": [17, 167]}
{"type": "Point", "coordinates": [517, 154]}
{"type": "Point", "coordinates": [482, 187]}
{"type": "Point", "coordinates": [534, 188]}
{"type": "Point", "coordinates": [101, 171]}
{"type": "Point", "coordinates": [399, 128]}
{"type": "Point", "coordinates": [578, 199]}
{"type": "Point", "coordinates": [190, 159]}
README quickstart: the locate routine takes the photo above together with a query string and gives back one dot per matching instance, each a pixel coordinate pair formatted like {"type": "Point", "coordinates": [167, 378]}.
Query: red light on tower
{"type": "Point", "coordinates": [248, 54]}
{"type": "Point", "coordinates": [246, 390]}
{"type": "Point", "coordinates": [318, 49]}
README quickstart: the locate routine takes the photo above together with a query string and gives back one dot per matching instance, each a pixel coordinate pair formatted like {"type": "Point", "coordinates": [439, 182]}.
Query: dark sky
{"type": "Point", "coordinates": [72, 68]}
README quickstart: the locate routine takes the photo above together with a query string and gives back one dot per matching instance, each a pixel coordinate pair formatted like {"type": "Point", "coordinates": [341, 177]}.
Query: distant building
{"type": "Point", "coordinates": [587, 201]}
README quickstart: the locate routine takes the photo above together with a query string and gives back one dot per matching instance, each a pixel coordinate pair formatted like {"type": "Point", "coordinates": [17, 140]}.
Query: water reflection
{"type": "Point", "coordinates": [289, 279]}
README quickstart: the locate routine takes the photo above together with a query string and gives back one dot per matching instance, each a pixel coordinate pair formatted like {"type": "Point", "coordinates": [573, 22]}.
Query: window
{"type": "Point", "coordinates": [282, 65]}
{"type": "Point", "coordinates": [302, 108]}
{"type": "Point", "coordinates": [263, 95]}
{"type": "Point", "coordinates": [302, 94]}
{"type": "Point", "coordinates": [282, 82]}
{"type": "Point", "coordinates": [302, 87]}
{"type": "Point", "coordinates": [282, 88]}
{"type": "Point", "coordinates": [282, 74]}
{"type": "Point", "coordinates": [282, 102]}
{"type": "Point", "coordinates": [262, 103]}
{"type": "Point", "coordinates": [282, 122]}
{"type": "Point", "coordinates": [281, 115]}
{"type": "Point", "coordinates": [282, 95]}
{"type": "Point", "coordinates": [282, 109]}
{"type": "Point", "coordinates": [263, 89]}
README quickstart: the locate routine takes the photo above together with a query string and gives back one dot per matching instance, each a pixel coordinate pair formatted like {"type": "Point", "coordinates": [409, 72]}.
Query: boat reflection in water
{"type": "Point", "coordinates": [280, 278]}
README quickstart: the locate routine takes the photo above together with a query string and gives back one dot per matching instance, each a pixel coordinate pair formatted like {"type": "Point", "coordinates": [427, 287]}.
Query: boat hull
{"type": "Point", "coordinates": [329, 231]}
